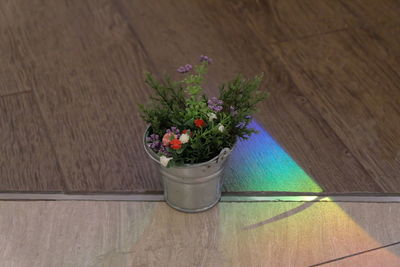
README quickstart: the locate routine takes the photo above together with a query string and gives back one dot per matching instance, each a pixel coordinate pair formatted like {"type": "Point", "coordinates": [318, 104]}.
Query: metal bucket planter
{"type": "Point", "coordinates": [192, 187]}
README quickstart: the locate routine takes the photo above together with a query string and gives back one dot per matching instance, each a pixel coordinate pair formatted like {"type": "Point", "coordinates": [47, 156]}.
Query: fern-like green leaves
{"type": "Point", "coordinates": [179, 103]}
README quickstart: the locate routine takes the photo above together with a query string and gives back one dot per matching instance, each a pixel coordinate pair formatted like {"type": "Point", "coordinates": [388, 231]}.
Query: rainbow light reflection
{"type": "Point", "coordinates": [322, 231]}
{"type": "Point", "coordinates": [260, 164]}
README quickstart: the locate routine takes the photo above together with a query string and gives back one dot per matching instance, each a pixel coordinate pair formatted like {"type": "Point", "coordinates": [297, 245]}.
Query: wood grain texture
{"type": "Point", "coordinates": [27, 160]}
{"type": "Point", "coordinates": [84, 62]}
{"type": "Point", "coordinates": [79, 233]}
{"type": "Point", "coordinates": [371, 13]}
{"type": "Point", "coordinates": [276, 21]}
{"type": "Point", "coordinates": [384, 45]}
{"type": "Point", "coordinates": [88, 81]}
{"type": "Point", "coordinates": [356, 94]}
{"type": "Point", "coordinates": [290, 118]}
{"type": "Point", "coordinates": [372, 259]}
{"type": "Point", "coordinates": [14, 70]}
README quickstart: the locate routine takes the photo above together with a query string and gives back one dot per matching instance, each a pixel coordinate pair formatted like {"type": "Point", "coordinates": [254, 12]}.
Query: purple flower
{"type": "Point", "coordinates": [241, 125]}
{"type": "Point", "coordinates": [175, 130]}
{"type": "Point", "coordinates": [163, 151]}
{"type": "Point", "coordinates": [206, 59]}
{"type": "Point", "coordinates": [248, 117]}
{"type": "Point", "coordinates": [184, 69]}
{"type": "Point", "coordinates": [153, 141]}
{"type": "Point", "coordinates": [181, 70]}
{"type": "Point", "coordinates": [155, 137]}
{"type": "Point", "coordinates": [155, 145]}
{"type": "Point", "coordinates": [215, 104]}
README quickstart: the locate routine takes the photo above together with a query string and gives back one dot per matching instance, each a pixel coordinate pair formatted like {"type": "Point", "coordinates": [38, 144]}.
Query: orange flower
{"type": "Point", "coordinates": [175, 144]}
{"type": "Point", "coordinates": [199, 123]}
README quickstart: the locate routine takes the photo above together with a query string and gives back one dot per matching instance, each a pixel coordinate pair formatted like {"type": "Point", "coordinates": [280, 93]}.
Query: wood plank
{"type": "Point", "coordinates": [88, 80]}
{"type": "Point", "coordinates": [85, 63]}
{"type": "Point", "coordinates": [373, 258]}
{"type": "Point", "coordinates": [275, 21]}
{"type": "Point", "coordinates": [81, 233]}
{"type": "Point", "coordinates": [14, 71]}
{"type": "Point", "coordinates": [291, 118]}
{"type": "Point", "coordinates": [371, 13]}
{"type": "Point", "coordinates": [385, 45]}
{"type": "Point", "coordinates": [27, 161]}
{"type": "Point", "coordinates": [356, 93]}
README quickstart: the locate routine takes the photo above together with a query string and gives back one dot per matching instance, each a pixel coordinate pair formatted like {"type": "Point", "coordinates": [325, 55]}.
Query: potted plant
{"type": "Point", "coordinates": [190, 135]}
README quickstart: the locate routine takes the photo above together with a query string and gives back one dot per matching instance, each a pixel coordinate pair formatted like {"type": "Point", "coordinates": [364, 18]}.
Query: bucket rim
{"type": "Point", "coordinates": [156, 158]}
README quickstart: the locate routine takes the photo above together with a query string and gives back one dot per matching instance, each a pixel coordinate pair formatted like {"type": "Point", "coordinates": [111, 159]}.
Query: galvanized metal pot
{"type": "Point", "coordinates": [192, 187]}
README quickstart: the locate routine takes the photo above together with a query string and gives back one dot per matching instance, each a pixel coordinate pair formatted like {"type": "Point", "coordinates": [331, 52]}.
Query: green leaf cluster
{"type": "Point", "coordinates": [242, 95]}
{"type": "Point", "coordinates": [180, 103]}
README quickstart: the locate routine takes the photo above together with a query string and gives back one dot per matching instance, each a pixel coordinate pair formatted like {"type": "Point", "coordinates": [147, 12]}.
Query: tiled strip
{"type": "Point", "coordinates": [227, 198]}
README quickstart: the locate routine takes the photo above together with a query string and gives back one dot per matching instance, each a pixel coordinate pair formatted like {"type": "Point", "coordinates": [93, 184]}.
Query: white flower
{"type": "Point", "coordinates": [164, 160]}
{"type": "Point", "coordinates": [221, 128]}
{"type": "Point", "coordinates": [184, 138]}
{"type": "Point", "coordinates": [212, 116]}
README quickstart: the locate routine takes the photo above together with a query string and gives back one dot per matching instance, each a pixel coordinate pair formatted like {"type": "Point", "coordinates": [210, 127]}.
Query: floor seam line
{"type": "Point", "coordinates": [227, 199]}
{"type": "Point", "coordinates": [355, 254]}
{"type": "Point", "coordinates": [305, 37]}
{"type": "Point", "coordinates": [16, 93]}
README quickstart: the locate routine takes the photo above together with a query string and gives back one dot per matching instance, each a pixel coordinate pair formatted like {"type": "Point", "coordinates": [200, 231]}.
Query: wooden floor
{"type": "Point", "coordinates": [71, 76]}
{"type": "Point", "coordinates": [80, 233]}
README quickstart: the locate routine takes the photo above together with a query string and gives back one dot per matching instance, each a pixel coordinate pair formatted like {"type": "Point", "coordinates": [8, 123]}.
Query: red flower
{"type": "Point", "coordinates": [199, 123]}
{"type": "Point", "coordinates": [167, 138]}
{"type": "Point", "coordinates": [184, 131]}
{"type": "Point", "coordinates": [175, 144]}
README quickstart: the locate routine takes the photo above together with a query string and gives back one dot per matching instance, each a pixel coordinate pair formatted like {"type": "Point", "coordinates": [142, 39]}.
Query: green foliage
{"type": "Point", "coordinates": [179, 103]}
{"type": "Point", "coordinates": [170, 99]}
{"type": "Point", "coordinates": [242, 95]}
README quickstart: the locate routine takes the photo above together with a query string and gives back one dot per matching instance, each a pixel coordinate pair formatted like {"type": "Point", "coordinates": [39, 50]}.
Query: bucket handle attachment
{"type": "Point", "coordinates": [223, 155]}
